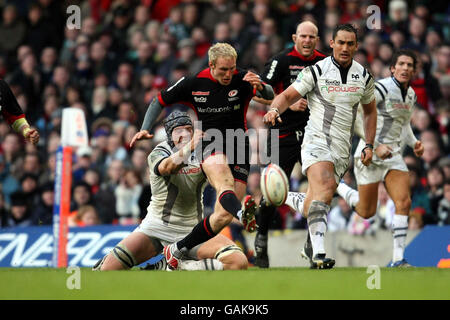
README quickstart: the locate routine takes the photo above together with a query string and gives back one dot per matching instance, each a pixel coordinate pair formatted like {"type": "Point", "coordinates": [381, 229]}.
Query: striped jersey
{"type": "Point", "coordinates": [334, 94]}
{"type": "Point", "coordinates": [280, 72]}
{"type": "Point", "coordinates": [177, 199]}
{"type": "Point", "coordinates": [394, 109]}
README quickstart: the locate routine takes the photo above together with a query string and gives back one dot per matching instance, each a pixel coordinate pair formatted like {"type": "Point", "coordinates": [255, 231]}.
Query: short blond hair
{"type": "Point", "coordinates": [221, 49]}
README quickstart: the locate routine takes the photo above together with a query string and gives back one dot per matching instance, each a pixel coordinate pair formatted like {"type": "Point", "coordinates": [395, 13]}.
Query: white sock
{"type": "Point", "coordinates": [317, 225]}
{"type": "Point", "coordinates": [295, 200]}
{"type": "Point", "coordinates": [204, 264]}
{"type": "Point", "coordinates": [350, 195]}
{"type": "Point", "coordinates": [399, 230]}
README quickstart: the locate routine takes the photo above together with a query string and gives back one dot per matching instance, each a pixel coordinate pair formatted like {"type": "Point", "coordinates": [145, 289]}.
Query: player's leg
{"type": "Point", "coordinates": [397, 186]}
{"type": "Point", "coordinates": [227, 206]}
{"type": "Point", "coordinates": [289, 154]}
{"type": "Point", "coordinates": [136, 248]}
{"type": "Point", "coordinates": [225, 251]}
{"type": "Point", "coordinates": [321, 188]}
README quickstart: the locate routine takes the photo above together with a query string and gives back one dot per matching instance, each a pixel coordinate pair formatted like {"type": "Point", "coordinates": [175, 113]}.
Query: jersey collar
{"type": "Point", "coordinates": [206, 73]}
{"type": "Point", "coordinates": [297, 54]}
{"type": "Point", "coordinates": [342, 70]}
{"type": "Point", "coordinates": [402, 89]}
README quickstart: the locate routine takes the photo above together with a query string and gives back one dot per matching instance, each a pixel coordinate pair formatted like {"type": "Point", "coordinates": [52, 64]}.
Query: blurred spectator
{"type": "Point", "coordinates": [435, 183]}
{"type": "Point", "coordinates": [417, 29]}
{"type": "Point", "coordinates": [240, 36]}
{"type": "Point", "coordinates": [12, 31]}
{"type": "Point", "coordinates": [3, 212]}
{"type": "Point", "coordinates": [216, 11]}
{"type": "Point", "coordinates": [415, 221]}
{"type": "Point", "coordinates": [32, 164]}
{"type": "Point", "coordinates": [86, 216]}
{"type": "Point", "coordinates": [127, 198]}
{"type": "Point", "coordinates": [442, 62]}
{"type": "Point", "coordinates": [339, 216]}
{"type": "Point", "coordinates": [81, 195]}
{"type": "Point", "coordinates": [39, 30]}
{"type": "Point", "coordinates": [20, 213]}
{"type": "Point", "coordinates": [105, 197]}
{"type": "Point", "coordinates": [188, 56]}
{"type": "Point", "coordinates": [48, 62]}
{"type": "Point", "coordinates": [419, 197]}
{"type": "Point", "coordinates": [43, 212]}
{"type": "Point", "coordinates": [82, 163]}
{"type": "Point", "coordinates": [443, 212]}
{"type": "Point", "coordinates": [398, 15]}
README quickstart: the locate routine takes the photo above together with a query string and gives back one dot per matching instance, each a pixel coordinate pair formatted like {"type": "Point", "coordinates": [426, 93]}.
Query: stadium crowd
{"type": "Point", "coordinates": [126, 51]}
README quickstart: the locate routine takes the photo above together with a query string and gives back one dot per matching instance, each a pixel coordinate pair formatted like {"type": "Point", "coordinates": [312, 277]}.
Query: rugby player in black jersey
{"type": "Point", "coordinates": [280, 72]}
{"type": "Point", "coordinates": [219, 95]}
{"type": "Point", "coordinates": [13, 114]}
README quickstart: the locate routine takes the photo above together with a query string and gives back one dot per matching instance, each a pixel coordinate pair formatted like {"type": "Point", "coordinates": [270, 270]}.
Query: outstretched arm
{"type": "Point", "coordinates": [153, 111]}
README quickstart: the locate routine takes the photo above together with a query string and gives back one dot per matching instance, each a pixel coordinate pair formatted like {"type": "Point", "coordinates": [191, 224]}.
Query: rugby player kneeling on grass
{"type": "Point", "coordinates": [177, 182]}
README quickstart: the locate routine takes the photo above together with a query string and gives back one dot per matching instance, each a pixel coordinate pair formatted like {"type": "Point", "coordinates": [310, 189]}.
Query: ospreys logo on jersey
{"type": "Point", "coordinates": [355, 76]}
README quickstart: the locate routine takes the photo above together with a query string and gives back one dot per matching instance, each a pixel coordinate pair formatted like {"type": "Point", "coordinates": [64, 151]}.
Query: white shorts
{"type": "Point", "coordinates": [317, 152]}
{"type": "Point", "coordinates": [165, 234]}
{"type": "Point", "coordinates": [377, 170]}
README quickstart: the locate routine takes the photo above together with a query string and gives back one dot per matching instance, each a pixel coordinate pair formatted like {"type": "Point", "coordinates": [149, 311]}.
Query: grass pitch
{"type": "Point", "coordinates": [252, 284]}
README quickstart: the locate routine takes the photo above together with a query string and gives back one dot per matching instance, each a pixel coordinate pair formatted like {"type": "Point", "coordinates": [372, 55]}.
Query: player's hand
{"type": "Point", "coordinates": [272, 117]}
{"type": "Point", "coordinates": [254, 80]}
{"type": "Point", "coordinates": [32, 136]}
{"type": "Point", "coordinates": [383, 151]}
{"type": "Point", "coordinates": [418, 148]}
{"type": "Point", "coordinates": [366, 156]}
{"type": "Point", "coordinates": [143, 134]}
{"type": "Point", "coordinates": [300, 105]}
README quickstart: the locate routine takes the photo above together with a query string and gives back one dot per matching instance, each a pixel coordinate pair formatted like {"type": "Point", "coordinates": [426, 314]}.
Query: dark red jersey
{"type": "Point", "coordinates": [9, 107]}
{"type": "Point", "coordinates": [217, 106]}
{"type": "Point", "coordinates": [280, 72]}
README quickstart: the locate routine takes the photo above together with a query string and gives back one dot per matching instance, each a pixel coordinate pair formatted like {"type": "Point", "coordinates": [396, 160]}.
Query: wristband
{"type": "Point", "coordinates": [25, 131]}
{"type": "Point", "coordinates": [368, 145]}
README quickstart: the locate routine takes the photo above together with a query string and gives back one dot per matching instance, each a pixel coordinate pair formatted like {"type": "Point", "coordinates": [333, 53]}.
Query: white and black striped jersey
{"type": "Point", "coordinates": [394, 109]}
{"type": "Point", "coordinates": [334, 94]}
{"type": "Point", "coordinates": [177, 199]}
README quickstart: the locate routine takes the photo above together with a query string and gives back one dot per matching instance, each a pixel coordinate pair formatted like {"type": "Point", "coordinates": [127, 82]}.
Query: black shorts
{"type": "Point", "coordinates": [289, 150]}
{"type": "Point", "coordinates": [238, 154]}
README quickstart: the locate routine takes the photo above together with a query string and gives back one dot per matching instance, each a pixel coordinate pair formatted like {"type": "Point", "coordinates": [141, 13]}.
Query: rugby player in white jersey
{"type": "Point", "coordinates": [334, 86]}
{"type": "Point", "coordinates": [177, 182]}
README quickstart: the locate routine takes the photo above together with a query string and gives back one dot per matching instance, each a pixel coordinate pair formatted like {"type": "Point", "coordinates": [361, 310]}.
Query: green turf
{"type": "Point", "coordinates": [252, 284]}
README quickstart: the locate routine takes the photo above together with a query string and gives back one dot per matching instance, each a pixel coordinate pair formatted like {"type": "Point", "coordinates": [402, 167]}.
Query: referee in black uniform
{"type": "Point", "coordinates": [280, 72]}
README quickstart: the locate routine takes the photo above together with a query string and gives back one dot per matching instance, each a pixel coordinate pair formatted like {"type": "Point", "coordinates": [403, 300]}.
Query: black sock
{"type": "Point", "coordinates": [230, 202]}
{"type": "Point", "coordinates": [200, 233]}
{"type": "Point", "coordinates": [264, 216]}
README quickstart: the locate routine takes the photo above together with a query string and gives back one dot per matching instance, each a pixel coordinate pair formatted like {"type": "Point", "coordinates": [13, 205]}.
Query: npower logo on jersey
{"type": "Point", "coordinates": [330, 89]}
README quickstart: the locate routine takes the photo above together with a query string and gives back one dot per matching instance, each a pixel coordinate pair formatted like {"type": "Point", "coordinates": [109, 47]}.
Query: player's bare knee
{"type": "Point", "coordinates": [366, 213]}
{"type": "Point", "coordinates": [403, 205]}
{"type": "Point", "coordinates": [239, 262]}
{"type": "Point", "coordinates": [221, 219]}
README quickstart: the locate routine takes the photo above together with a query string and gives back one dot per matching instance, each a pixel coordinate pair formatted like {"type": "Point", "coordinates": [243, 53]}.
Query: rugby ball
{"type": "Point", "coordinates": [274, 185]}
